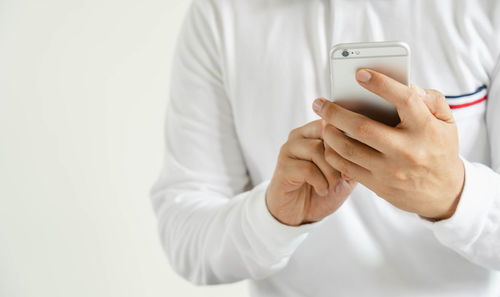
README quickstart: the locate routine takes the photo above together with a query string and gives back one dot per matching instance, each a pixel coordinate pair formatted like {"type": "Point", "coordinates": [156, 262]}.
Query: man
{"type": "Point", "coordinates": [258, 185]}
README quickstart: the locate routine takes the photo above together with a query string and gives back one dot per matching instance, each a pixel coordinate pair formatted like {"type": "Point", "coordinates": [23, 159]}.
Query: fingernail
{"type": "Point", "coordinates": [325, 193]}
{"type": "Point", "coordinates": [339, 187]}
{"type": "Point", "coordinates": [318, 105]}
{"type": "Point", "coordinates": [363, 76]}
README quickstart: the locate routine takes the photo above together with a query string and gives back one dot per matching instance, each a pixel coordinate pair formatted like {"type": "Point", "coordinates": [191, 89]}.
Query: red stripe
{"type": "Point", "coordinates": [468, 103]}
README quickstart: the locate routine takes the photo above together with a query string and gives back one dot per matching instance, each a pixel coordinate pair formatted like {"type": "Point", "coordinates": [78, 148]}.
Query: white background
{"type": "Point", "coordinates": [83, 88]}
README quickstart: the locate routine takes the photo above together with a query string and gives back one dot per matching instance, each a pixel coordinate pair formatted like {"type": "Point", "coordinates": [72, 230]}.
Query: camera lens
{"type": "Point", "coordinates": [345, 53]}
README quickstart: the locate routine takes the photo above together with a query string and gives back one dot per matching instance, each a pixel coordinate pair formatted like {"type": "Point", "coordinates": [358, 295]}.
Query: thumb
{"type": "Point", "coordinates": [437, 105]}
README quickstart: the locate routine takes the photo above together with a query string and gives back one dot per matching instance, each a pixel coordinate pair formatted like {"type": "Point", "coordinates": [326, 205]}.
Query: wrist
{"type": "Point", "coordinates": [452, 202]}
{"type": "Point", "coordinates": [274, 211]}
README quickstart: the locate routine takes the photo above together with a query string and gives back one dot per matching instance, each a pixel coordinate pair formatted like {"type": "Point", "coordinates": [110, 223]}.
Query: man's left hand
{"type": "Point", "coordinates": [416, 165]}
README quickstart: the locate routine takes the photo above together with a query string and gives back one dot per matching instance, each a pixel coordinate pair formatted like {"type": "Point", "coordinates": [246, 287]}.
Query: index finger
{"type": "Point", "coordinates": [372, 133]}
{"type": "Point", "coordinates": [406, 100]}
{"type": "Point", "coordinates": [389, 89]}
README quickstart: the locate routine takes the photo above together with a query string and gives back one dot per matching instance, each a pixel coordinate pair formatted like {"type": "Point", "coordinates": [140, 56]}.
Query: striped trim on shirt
{"type": "Point", "coordinates": [465, 100]}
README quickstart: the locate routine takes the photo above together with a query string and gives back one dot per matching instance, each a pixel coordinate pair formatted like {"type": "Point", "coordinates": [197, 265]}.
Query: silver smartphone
{"type": "Point", "coordinates": [391, 58]}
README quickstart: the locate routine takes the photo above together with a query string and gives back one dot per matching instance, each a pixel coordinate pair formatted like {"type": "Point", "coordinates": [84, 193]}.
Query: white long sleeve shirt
{"type": "Point", "coordinates": [246, 73]}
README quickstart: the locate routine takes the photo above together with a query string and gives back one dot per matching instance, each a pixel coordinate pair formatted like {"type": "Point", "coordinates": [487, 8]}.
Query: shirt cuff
{"type": "Point", "coordinates": [279, 240]}
{"type": "Point", "coordinates": [477, 198]}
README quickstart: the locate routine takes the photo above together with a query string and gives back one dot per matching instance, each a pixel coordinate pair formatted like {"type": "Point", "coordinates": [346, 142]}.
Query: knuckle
{"type": "Point", "coordinates": [294, 133]}
{"type": "Point", "coordinates": [284, 148]}
{"type": "Point", "coordinates": [328, 132]}
{"type": "Point", "coordinates": [416, 157]}
{"type": "Point", "coordinates": [337, 162]}
{"type": "Point", "coordinates": [427, 124]}
{"type": "Point", "coordinates": [330, 155]}
{"type": "Point", "coordinates": [344, 167]}
{"type": "Point", "coordinates": [411, 99]}
{"type": "Point", "coordinates": [400, 175]}
{"type": "Point", "coordinates": [318, 126]}
{"type": "Point", "coordinates": [329, 129]}
{"type": "Point", "coordinates": [307, 169]}
{"type": "Point", "coordinates": [364, 128]}
{"type": "Point", "coordinates": [419, 156]}
{"type": "Point", "coordinates": [318, 148]}
{"type": "Point", "coordinates": [435, 93]}
{"type": "Point", "coordinates": [347, 149]}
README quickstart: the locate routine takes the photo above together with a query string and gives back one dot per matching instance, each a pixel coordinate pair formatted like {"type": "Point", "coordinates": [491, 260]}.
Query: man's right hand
{"type": "Point", "coordinates": [305, 188]}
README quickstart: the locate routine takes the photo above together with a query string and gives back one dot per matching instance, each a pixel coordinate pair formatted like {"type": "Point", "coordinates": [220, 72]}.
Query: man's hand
{"type": "Point", "coordinates": [414, 166]}
{"type": "Point", "coordinates": [305, 188]}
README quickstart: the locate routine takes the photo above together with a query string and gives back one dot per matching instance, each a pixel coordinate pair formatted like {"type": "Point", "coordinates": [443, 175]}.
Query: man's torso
{"type": "Point", "coordinates": [275, 63]}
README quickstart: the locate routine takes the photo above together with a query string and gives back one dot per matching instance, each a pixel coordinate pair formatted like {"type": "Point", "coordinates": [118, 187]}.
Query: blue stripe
{"type": "Point", "coordinates": [465, 95]}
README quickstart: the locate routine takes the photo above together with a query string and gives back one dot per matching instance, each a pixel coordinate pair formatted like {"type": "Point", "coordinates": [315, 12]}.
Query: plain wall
{"type": "Point", "coordinates": [83, 89]}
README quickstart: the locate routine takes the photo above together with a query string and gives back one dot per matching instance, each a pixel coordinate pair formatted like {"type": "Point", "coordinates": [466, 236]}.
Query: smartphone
{"type": "Point", "coordinates": [391, 58]}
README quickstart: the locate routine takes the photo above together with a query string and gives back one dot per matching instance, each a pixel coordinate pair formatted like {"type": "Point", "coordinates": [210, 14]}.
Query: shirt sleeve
{"type": "Point", "coordinates": [474, 229]}
{"type": "Point", "coordinates": [213, 229]}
